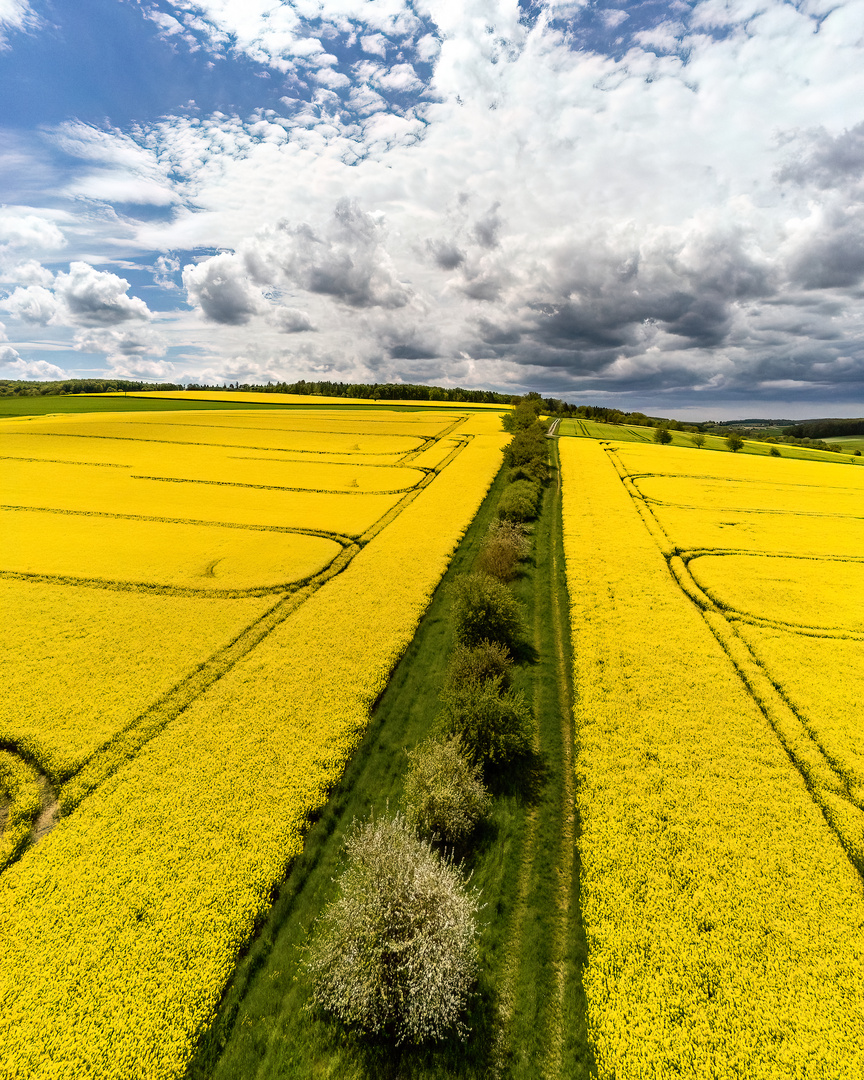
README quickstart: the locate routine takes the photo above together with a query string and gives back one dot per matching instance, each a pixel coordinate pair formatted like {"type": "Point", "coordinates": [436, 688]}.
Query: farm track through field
{"type": "Point", "coordinates": [829, 784]}
{"type": "Point", "coordinates": [427, 442]}
{"type": "Point", "coordinates": [535, 1006]}
{"type": "Point", "coordinates": [126, 744]}
{"type": "Point", "coordinates": [27, 810]}
{"type": "Point", "coordinates": [275, 487]}
{"type": "Point", "coordinates": [529, 1019]}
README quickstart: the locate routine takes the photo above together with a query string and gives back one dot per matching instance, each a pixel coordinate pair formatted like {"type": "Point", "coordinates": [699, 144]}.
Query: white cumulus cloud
{"type": "Point", "coordinates": [97, 298]}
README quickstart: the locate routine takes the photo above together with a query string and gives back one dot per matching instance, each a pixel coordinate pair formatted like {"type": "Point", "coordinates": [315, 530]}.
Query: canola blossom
{"type": "Point", "coordinates": [219, 464]}
{"type": "Point", "coordinates": [120, 929]}
{"type": "Point", "coordinates": [75, 489]}
{"type": "Point", "coordinates": [82, 663]}
{"type": "Point", "coordinates": [157, 554]}
{"type": "Point", "coordinates": [807, 592]}
{"type": "Point", "coordinates": [793, 564]}
{"type": "Point", "coordinates": [722, 904]}
{"type": "Point", "coordinates": [21, 799]}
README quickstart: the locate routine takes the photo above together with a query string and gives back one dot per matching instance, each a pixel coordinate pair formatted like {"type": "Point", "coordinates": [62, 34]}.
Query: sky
{"type": "Point", "coordinates": [651, 205]}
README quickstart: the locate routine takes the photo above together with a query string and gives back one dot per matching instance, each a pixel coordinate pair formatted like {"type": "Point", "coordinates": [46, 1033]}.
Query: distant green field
{"type": "Point", "coordinates": [850, 442]}
{"type": "Point", "coordinates": [592, 429]}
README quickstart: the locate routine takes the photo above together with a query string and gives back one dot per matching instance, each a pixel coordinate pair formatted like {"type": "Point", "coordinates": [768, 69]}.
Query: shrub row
{"type": "Point", "coordinates": [396, 952]}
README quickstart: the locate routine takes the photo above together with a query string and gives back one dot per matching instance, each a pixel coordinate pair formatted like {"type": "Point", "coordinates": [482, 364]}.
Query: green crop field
{"type": "Point", "coordinates": [98, 403]}
{"type": "Point", "coordinates": [850, 443]}
{"type": "Point", "coordinates": [91, 403]}
{"type": "Point", "coordinates": [624, 433]}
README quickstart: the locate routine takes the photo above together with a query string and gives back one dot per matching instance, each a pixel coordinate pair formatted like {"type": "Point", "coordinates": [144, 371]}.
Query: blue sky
{"type": "Point", "coordinates": [656, 205]}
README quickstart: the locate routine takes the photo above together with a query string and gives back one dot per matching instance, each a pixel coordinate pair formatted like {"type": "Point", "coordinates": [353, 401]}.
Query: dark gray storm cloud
{"type": "Point", "coordinates": [488, 227]}
{"type": "Point", "coordinates": [825, 160]}
{"type": "Point", "coordinates": [346, 260]}
{"type": "Point", "coordinates": [832, 257]}
{"type": "Point", "coordinates": [446, 254]}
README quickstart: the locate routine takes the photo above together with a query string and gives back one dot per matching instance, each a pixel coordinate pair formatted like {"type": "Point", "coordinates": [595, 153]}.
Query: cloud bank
{"type": "Point", "coordinates": [665, 214]}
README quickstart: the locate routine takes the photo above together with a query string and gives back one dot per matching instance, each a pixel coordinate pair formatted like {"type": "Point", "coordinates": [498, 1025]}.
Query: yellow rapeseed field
{"type": "Point", "coordinates": [309, 400]}
{"type": "Point", "coordinates": [19, 791]}
{"type": "Point", "coordinates": [218, 464]}
{"type": "Point", "coordinates": [295, 430]}
{"type": "Point", "coordinates": [804, 592]}
{"type": "Point", "coordinates": [722, 892]}
{"type": "Point", "coordinates": [198, 733]}
{"type": "Point", "coordinates": [80, 664]}
{"type": "Point", "coordinates": [82, 490]}
{"type": "Point", "coordinates": [157, 553]}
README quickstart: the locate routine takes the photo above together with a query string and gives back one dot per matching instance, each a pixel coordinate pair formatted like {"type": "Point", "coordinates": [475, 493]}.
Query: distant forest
{"type": "Point", "coordinates": [825, 429]}
{"type": "Point", "coordinates": [371, 391]}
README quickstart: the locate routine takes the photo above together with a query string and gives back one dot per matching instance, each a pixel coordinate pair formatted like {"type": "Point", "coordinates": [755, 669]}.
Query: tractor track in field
{"type": "Point", "coordinates": [830, 786]}
{"type": "Point", "coordinates": [126, 744]}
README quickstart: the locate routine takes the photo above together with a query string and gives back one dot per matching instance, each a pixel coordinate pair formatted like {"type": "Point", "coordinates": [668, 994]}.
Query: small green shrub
{"type": "Point", "coordinates": [499, 557]}
{"type": "Point", "coordinates": [525, 445]}
{"type": "Point", "coordinates": [477, 663]}
{"type": "Point", "coordinates": [484, 609]}
{"type": "Point", "coordinates": [523, 416]}
{"type": "Point", "coordinates": [494, 726]}
{"type": "Point", "coordinates": [445, 797]}
{"type": "Point", "coordinates": [520, 501]}
{"type": "Point", "coordinates": [537, 470]}
{"type": "Point", "coordinates": [734, 442]}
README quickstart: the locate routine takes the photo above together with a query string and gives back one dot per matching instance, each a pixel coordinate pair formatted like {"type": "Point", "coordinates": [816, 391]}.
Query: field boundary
{"type": "Point", "coordinates": [827, 783]}
{"type": "Point", "coordinates": [126, 744]}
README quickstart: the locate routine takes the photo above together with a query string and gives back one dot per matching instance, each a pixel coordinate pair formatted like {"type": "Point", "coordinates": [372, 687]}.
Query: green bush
{"type": "Point", "coordinates": [523, 416]}
{"type": "Point", "coordinates": [536, 469]}
{"type": "Point", "coordinates": [494, 725]}
{"type": "Point", "coordinates": [734, 442]}
{"type": "Point", "coordinates": [477, 663]}
{"type": "Point", "coordinates": [484, 609]}
{"type": "Point", "coordinates": [445, 798]}
{"type": "Point", "coordinates": [520, 501]}
{"type": "Point", "coordinates": [662, 436]}
{"type": "Point", "coordinates": [525, 445]}
{"type": "Point", "coordinates": [396, 953]}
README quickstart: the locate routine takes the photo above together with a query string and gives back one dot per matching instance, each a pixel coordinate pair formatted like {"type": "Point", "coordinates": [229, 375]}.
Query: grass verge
{"type": "Point", "coordinates": [528, 1015]}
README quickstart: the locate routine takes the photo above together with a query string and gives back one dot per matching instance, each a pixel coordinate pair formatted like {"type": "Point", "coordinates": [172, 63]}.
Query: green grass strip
{"type": "Point", "coordinates": [528, 1018]}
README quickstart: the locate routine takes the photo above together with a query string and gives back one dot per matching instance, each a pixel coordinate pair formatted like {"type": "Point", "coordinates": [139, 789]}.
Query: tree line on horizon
{"type": "Point", "coordinates": [811, 433]}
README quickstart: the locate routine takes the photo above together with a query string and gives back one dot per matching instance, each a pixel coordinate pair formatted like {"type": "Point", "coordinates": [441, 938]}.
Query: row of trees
{"type": "Point", "coordinates": [55, 388]}
{"type": "Point", "coordinates": [735, 441]}
{"type": "Point", "coordinates": [396, 953]}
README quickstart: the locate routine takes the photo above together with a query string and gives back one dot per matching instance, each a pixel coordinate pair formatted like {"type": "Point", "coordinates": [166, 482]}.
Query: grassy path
{"type": "Point", "coordinates": [528, 1017]}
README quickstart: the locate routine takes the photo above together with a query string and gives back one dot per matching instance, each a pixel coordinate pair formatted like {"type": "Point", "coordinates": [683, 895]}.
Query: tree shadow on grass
{"type": "Point", "coordinates": [474, 1056]}
{"type": "Point", "coordinates": [524, 652]}
{"type": "Point", "coordinates": [524, 778]}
